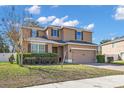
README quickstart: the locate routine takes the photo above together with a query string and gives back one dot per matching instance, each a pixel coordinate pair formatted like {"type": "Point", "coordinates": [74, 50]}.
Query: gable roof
{"type": "Point", "coordinates": [81, 42]}
{"type": "Point", "coordinates": [114, 41]}
{"type": "Point", "coordinates": [45, 40]}
{"type": "Point", "coordinates": [57, 27]}
{"type": "Point", "coordinates": [69, 27]}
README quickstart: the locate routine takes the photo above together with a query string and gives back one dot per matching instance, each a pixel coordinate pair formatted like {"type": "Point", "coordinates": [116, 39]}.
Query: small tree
{"type": "Point", "coordinates": [11, 59]}
{"type": "Point", "coordinates": [11, 24]}
{"type": "Point", "coordinates": [3, 46]}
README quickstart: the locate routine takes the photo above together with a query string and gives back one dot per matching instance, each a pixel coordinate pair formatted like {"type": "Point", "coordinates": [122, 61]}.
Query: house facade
{"type": "Point", "coordinates": [114, 48]}
{"type": "Point", "coordinates": [72, 45]}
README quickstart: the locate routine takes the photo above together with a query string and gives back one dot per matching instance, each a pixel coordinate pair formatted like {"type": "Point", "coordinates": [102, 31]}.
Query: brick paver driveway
{"type": "Point", "coordinates": [107, 66]}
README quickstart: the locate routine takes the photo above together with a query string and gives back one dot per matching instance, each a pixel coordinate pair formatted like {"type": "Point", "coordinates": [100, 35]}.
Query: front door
{"type": "Point", "coordinates": [54, 50]}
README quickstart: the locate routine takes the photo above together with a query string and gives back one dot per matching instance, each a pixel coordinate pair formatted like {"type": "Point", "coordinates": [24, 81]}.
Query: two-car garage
{"type": "Point", "coordinates": [83, 56]}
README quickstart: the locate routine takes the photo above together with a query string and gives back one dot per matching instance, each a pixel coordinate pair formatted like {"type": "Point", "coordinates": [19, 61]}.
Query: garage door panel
{"type": "Point", "coordinates": [83, 56]}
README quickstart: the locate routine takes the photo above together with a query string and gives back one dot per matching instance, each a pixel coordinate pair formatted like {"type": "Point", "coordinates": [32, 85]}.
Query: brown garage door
{"type": "Point", "coordinates": [83, 56]}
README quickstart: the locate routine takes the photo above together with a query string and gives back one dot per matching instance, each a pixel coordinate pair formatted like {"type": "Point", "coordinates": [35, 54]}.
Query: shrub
{"type": "Point", "coordinates": [100, 58]}
{"type": "Point", "coordinates": [42, 58]}
{"type": "Point", "coordinates": [11, 59]}
{"type": "Point", "coordinates": [110, 59]}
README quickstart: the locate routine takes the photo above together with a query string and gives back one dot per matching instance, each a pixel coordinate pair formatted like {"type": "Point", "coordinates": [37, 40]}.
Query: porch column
{"type": "Point", "coordinates": [67, 54]}
{"type": "Point", "coordinates": [49, 48]}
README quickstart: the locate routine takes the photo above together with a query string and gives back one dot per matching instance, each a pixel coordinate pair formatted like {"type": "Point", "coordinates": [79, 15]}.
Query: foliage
{"type": "Point", "coordinates": [100, 58]}
{"type": "Point", "coordinates": [110, 59]}
{"type": "Point", "coordinates": [118, 62]}
{"type": "Point", "coordinates": [42, 58]}
{"type": "Point", "coordinates": [104, 41]}
{"type": "Point", "coordinates": [3, 46]}
{"type": "Point", "coordinates": [11, 59]}
{"type": "Point", "coordinates": [17, 58]}
{"type": "Point", "coordinates": [11, 24]}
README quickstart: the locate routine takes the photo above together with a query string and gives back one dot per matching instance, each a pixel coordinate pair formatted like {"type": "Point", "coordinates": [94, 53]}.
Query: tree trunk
{"type": "Point", "coordinates": [21, 59]}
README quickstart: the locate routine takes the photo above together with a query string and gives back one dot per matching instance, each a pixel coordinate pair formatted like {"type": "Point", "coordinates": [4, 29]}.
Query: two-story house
{"type": "Point", "coordinates": [114, 48]}
{"type": "Point", "coordinates": [72, 44]}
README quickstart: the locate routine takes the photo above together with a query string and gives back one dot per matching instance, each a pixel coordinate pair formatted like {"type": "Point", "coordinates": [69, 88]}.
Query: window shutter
{"type": "Point", "coordinates": [58, 33]}
{"type": "Point", "coordinates": [46, 48]}
{"type": "Point", "coordinates": [30, 33]}
{"type": "Point", "coordinates": [75, 35]}
{"type": "Point", "coordinates": [37, 33]}
{"type": "Point", "coordinates": [51, 32]}
{"type": "Point", "coordinates": [82, 35]}
{"type": "Point", "coordinates": [29, 47]}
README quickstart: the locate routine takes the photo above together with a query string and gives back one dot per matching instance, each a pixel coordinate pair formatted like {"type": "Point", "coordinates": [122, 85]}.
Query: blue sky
{"type": "Point", "coordinates": [106, 22]}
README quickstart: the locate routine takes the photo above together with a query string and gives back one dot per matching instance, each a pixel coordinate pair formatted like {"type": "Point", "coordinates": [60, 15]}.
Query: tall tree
{"type": "Point", "coordinates": [11, 24]}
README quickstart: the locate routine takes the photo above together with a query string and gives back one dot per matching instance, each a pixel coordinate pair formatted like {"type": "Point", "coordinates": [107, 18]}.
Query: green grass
{"type": "Point", "coordinates": [120, 86]}
{"type": "Point", "coordinates": [12, 75]}
{"type": "Point", "coordinates": [118, 62]}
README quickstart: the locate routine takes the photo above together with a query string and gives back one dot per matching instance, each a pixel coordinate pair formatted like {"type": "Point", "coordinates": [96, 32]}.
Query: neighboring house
{"type": "Point", "coordinates": [114, 48]}
{"type": "Point", "coordinates": [72, 44]}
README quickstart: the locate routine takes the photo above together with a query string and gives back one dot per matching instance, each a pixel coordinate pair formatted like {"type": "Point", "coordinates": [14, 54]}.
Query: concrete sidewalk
{"type": "Point", "coordinates": [100, 82]}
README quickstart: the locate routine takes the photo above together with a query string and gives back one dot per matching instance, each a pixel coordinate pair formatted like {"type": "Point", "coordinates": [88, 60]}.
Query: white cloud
{"type": "Point", "coordinates": [112, 34]}
{"type": "Point", "coordinates": [54, 6]}
{"type": "Point", "coordinates": [53, 20]}
{"type": "Point", "coordinates": [119, 13]}
{"type": "Point", "coordinates": [42, 20]}
{"type": "Point", "coordinates": [45, 20]}
{"type": "Point", "coordinates": [71, 23]}
{"type": "Point", "coordinates": [89, 27]}
{"type": "Point", "coordinates": [34, 9]}
{"type": "Point", "coordinates": [62, 22]}
{"type": "Point", "coordinates": [59, 21]}
{"type": "Point", "coordinates": [27, 18]}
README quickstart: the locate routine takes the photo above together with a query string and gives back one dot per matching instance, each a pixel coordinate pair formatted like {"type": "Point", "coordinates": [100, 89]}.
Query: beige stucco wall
{"type": "Point", "coordinates": [87, 36]}
{"type": "Point", "coordinates": [68, 34]}
{"type": "Point", "coordinates": [114, 49]}
{"type": "Point", "coordinates": [41, 33]}
{"type": "Point", "coordinates": [26, 33]}
{"type": "Point", "coordinates": [49, 48]}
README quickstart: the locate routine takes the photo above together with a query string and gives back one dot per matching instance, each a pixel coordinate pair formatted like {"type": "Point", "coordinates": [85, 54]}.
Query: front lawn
{"type": "Point", "coordinates": [12, 75]}
{"type": "Point", "coordinates": [118, 62]}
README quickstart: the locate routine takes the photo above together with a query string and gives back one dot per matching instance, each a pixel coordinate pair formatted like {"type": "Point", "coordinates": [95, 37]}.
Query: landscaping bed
{"type": "Point", "coordinates": [118, 62]}
{"type": "Point", "coordinates": [12, 75]}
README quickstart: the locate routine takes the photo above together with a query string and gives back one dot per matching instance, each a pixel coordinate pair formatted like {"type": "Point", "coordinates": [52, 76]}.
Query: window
{"type": "Point", "coordinates": [78, 35]}
{"type": "Point", "coordinates": [34, 33]}
{"type": "Point", "coordinates": [41, 48]}
{"type": "Point", "coordinates": [37, 48]}
{"type": "Point", "coordinates": [55, 33]}
{"type": "Point", "coordinates": [113, 45]}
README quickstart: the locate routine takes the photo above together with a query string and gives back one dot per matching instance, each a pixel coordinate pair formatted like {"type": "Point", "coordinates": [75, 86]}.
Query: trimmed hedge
{"type": "Point", "coordinates": [100, 58]}
{"type": "Point", "coordinates": [36, 58]}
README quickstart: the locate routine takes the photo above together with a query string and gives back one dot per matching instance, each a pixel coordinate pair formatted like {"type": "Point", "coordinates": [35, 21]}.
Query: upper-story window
{"type": "Point", "coordinates": [34, 33]}
{"type": "Point", "coordinates": [78, 35]}
{"type": "Point", "coordinates": [55, 33]}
